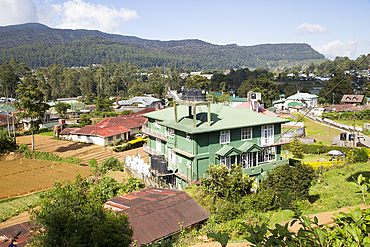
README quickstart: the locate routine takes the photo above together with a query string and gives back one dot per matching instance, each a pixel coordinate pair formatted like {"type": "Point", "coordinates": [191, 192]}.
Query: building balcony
{"type": "Point", "coordinates": [157, 133]}
{"type": "Point", "coordinates": [152, 151]}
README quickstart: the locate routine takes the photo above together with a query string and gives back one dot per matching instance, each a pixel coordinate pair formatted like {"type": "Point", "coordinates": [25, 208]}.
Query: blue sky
{"type": "Point", "coordinates": [334, 28]}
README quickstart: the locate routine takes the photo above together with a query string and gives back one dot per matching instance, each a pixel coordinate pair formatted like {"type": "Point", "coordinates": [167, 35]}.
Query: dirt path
{"type": "Point", "coordinates": [325, 218]}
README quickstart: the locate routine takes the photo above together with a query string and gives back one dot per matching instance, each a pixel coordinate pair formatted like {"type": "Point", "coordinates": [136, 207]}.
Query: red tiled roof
{"type": "Point", "coordinates": [101, 130]}
{"type": "Point", "coordinates": [130, 122]}
{"type": "Point", "coordinates": [260, 110]}
{"type": "Point", "coordinates": [4, 121]}
{"type": "Point", "coordinates": [155, 212]}
{"type": "Point", "coordinates": [67, 131]}
{"type": "Point", "coordinates": [146, 110]}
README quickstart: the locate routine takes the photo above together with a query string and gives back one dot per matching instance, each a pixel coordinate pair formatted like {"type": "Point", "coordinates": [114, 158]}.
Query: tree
{"type": "Point", "coordinates": [73, 215]}
{"type": "Point", "coordinates": [295, 147]}
{"type": "Point", "coordinates": [85, 119]}
{"type": "Point", "coordinates": [61, 108]}
{"type": "Point", "coordinates": [31, 106]}
{"type": "Point", "coordinates": [103, 104]}
{"type": "Point", "coordinates": [198, 82]}
{"type": "Point", "coordinates": [341, 86]}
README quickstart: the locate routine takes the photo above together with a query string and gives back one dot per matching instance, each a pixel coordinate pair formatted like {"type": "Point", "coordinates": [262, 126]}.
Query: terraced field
{"type": "Point", "coordinates": [23, 176]}
{"type": "Point", "coordinates": [83, 151]}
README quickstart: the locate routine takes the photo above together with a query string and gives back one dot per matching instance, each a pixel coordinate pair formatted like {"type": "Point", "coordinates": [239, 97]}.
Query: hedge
{"type": "Point", "coordinates": [139, 142]}
{"type": "Point", "coordinates": [319, 149]}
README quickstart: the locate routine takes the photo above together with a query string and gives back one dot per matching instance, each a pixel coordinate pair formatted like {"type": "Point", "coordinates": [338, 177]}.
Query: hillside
{"type": "Point", "coordinates": [37, 45]}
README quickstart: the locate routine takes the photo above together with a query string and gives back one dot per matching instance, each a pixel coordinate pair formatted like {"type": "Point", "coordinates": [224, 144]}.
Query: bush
{"type": "Point", "coordinates": [139, 142]}
{"type": "Point", "coordinates": [7, 143]}
{"type": "Point", "coordinates": [318, 149]}
{"type": "Point", "coordinates": [262, 201]}
{"type": "Point", "coordinates": [294, 179]}
{"type": "Point", "coordinates": [359, 155]}
{"type": "Point", "coordinates": [112, 164]}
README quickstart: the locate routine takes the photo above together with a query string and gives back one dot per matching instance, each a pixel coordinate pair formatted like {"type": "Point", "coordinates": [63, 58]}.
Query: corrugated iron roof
{"type": "Point", "coordinates": [11, 231]}
{"type": "Point", "coordinates": [133, 121]}
{"type": "Point", "coordinates": [155, 213]}
{"type": "Point", "coordinates": [102, 130]}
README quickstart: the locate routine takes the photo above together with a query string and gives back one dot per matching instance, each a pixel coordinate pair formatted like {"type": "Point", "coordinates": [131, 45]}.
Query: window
{"type": "Point", "coordinates": [170, 132]}
{"type": "Point", "coordinates": [247, 160]}
{"type": "Point", "coordinates": [226, 161]}
{"type": "Point", "coordinates": [157, 125]}
{"type": "Point", "coordinates": [158, 145]}
{"type": "Point", "coordinates": [268, 154]}
{"type": "Point", "coordinates": [224, 136]}
{"type": "Point", "coordinates": [246, 133]}
{"type": "Point", "coordinates": [171, 155]}
{"type": "Point", "coordinates": [110, 138]}
{"type": "Point", "coordinates": [267, 134]}
{"type": "Point", "coordinates": [118, 137]}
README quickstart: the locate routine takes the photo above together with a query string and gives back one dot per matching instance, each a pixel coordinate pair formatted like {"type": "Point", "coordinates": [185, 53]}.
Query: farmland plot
{"type": "Point", "coordinates": [24, 176]}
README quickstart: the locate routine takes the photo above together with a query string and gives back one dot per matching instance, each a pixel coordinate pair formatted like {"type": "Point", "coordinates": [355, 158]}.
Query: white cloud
{"type": "Point", "coordinates": [310, 28]}
{"type": "Point", "coordinates": [338, 48]}
{"type": "Point", "coordinates": [77, 14]}
{"type": "Point", "coordinates": [17, 12]}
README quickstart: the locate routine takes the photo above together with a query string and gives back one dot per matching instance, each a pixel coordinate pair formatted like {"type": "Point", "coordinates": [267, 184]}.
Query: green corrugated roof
{"type": "Point", "coordinates": [237, 99]}
{"type": "Point", "coordinates": [248, 147]}
{"type": "Point", "coordinates": [228, 151]}
{"type": "Point", "coordinates": [7, 108]}
{"type": "Point", "coordinates": [295, 104]}
{"type": "Point", "coordinates": [222, 118]}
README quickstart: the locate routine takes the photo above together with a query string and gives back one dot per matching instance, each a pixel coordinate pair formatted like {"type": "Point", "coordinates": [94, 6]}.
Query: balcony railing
{"type": "Point", "coordinates": [152, 151]}
{"type": "Point", "coordinates": [158, 133]}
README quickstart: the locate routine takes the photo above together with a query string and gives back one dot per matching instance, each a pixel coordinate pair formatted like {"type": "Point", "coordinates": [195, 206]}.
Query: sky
{"type": "Point", "coordinates": [333, 28]}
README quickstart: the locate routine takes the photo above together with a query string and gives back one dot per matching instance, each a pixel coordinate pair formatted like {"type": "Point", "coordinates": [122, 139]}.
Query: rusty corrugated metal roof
{"type": "Point", "coordinates": [155, 213]}
{"type": "Point", "coordinates": [11, 231]}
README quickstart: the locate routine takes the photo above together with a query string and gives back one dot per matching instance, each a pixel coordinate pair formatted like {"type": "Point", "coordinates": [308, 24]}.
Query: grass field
{"type": "Point", "coordinates": [319, 132]}
{"type": "Point", "coordinates": [24, 176]}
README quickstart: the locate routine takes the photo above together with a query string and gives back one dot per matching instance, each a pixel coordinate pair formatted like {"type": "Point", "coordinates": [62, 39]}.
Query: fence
{"type": "Point", "coordinates": [331, 122]}
{"type": "Point", "coordinates": [289, 136]}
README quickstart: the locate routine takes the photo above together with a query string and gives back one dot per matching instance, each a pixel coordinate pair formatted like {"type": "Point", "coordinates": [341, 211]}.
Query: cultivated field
{"type": "Point", "coordinates": [24, 176]}
{"type": "Point", "coordinates": [80, 150]}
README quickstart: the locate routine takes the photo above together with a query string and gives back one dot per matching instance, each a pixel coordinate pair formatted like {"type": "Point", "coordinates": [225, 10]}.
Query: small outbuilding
{"type": "Point", "coordinates": [156, 213]}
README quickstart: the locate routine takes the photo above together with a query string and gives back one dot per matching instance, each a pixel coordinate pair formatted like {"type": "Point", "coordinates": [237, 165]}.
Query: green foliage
{"type": "Point", "coordinates": [295, 147]}
{"type": "Point", "coordinates": [61, 108]}
{"type": "Point", "coordinates": [16, 205]}
{"type": "Point", "coordinates": [162, 243]}
{"type": "Point", "coordinates": [7, 143]}
{"type": "Point", "coordinates": [111, 164]}
{"type": "Point", "coordinates": [102, 104]}
{"type": "Point", "coordinates": [85, 119]}
{"type": "Point", "coordinates": [71, 215]}
{"type": "Point", "coordinates": [40, 155]}
{"type": "Point", "coordinates": [359, 155]}
{"type": "Point", "coordinates": [222, 238]}
{"type": "Point", "coordinates": [46, 46]}
{"type": "Point", "coordinates": [296, 180]}
{"type": "Point", "coordinates": [317, 148]}
{"type": "Point", "coordinates": [349, 229]}
{"type": "Point", "coordinates": [92, 162]}
{"type": "Point", "coordinates": [227, 184]}
{"type": "Point", "coordinates": [139, 142]}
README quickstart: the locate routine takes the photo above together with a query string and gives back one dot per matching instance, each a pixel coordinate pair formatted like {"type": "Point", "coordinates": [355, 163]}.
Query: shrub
{"type": "Point", "coordinates": [139, 142]}
{"type": "Point", "coordinates": [112, 164]}
{"type": "Point", "coordinates": [359, 155]}
{"type": "Point", "coordinates": [294, 179]}
{"type": "Point", "coordinates": [7, 143]}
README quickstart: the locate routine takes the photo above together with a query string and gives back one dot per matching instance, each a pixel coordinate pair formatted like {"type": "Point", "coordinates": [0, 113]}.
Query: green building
{"type": "Point", "coordinates": [188, 138]}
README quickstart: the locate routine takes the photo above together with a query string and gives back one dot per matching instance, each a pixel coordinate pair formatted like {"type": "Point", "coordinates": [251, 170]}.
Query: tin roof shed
{"type": "Point", "coordinates": [155, 213]}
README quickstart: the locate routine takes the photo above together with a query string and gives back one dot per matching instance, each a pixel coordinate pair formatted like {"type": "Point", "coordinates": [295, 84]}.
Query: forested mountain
{"type": "Point", "coordinates": [37, 45]}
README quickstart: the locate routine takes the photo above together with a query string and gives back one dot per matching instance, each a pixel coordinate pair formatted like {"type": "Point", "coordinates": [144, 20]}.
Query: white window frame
{"type": "Point", "coordinates": [224, 136]}
{"type": "Point", "coordinates": [267, 134]}
{"type": "Point", "coordinates": [267, 155]}
{"type": "Point", "coordinates": [170, 132]}
{"type": "Point", "coordinates": [247, 160]}
{"type": "Point", "coordinates": [246, 134]}
{"type": "Point", "coordinates": [158, 144]}
{"type": "Point", "coordinates": [226, 161]}
{"type": "Point", "coordinates": [171, 155]}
